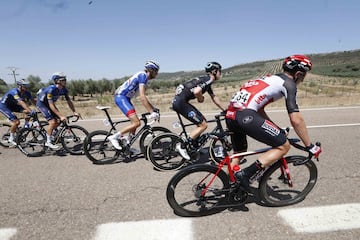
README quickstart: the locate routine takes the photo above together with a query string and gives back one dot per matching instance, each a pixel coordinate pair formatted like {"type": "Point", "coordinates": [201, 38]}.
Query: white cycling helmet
{"type": "Point", "coordinates": [23, 82]}
{"type": "Point", "coordinates": [152, 65]}
{"type": "Point", "coordinates": [58, 76]}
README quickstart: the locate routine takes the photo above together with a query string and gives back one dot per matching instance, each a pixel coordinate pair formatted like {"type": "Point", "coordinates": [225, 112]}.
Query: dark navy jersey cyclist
{"type": "Point", "coordinates": [246, 115]}
{"type": "Point", "coordinates": [195, 89]}
{"type": "Point", "coordinates": [46, 98]}
{"type": "Point", "coordinates": [15, 100]}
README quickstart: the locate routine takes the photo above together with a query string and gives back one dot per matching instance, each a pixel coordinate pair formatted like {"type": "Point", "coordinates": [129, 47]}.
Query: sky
{"type": "Point", "coordinates": [114, 38]}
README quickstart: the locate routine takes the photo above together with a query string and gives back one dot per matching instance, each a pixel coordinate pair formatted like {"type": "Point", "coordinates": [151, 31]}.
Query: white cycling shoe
{"type": "Point", "coordinates": [182, 152]}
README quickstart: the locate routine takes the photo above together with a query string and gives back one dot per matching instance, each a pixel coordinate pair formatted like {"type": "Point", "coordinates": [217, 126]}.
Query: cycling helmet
{"type": "Point", "coordinates": [23, 83]}
{"type": "Point", "coordinates": [152, 65]}
{"type": "Point", "coordinates": [58, 76]}
{"type": "Point", "coordinates": [210, 66]}
{"type": "Point", "coordinates": [296, 63]}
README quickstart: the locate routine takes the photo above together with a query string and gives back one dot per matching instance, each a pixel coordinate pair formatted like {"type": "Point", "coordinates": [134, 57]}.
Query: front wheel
{"type": "Point", "coordinates": [31, 141]}
{"type": "Point", "coordinates": [163, 154]}
{"type": "Point", "coordinates": [72, 139]}
{"type": "Point", "coordinates": [99, 149]}
{"type": "Point", "coordinates": [275, 188]}
{"type": "Point", "coordinates": [219, 148]}
{"type": "Point", "coordinates": [197, 190]}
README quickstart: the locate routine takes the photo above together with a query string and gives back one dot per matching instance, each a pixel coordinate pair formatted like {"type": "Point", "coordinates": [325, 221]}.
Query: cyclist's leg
{"type": "Point", "coordinates": [15, 122]}
{"type": "Point", "coordinates": [238, 140]}
{"type": "Point", "coordinates": [263, 131]}
{"type": "Point", "coordinates": [52, 119]}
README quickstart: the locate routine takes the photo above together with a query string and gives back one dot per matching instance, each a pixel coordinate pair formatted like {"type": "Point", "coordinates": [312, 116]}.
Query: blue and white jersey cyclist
{"type": "Point", "coordinates": [135, 85]}
{"type": "Point", "coordinates": [15, 100]}
{"type": "Point", "coordinates": [46, 98]}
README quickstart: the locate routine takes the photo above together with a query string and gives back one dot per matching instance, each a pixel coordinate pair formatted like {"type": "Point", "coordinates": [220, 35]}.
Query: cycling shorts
{"type": "Point", "coordinates": [124, 104]}
{"type": "Point", "coordinates": [187, 110]}
{"type": "Point", "coordinates": [46, 111]}
{"type": "Point", "coordinates": [249, 122]}
{"type": "Point", "coordinates": [8, 112]}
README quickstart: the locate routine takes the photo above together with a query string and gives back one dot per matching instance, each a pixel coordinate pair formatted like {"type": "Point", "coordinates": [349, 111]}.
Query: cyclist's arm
{"type": "Point", "coordinates": [299, 126]}
{"type": "Point", "coordinates": [71, 106]}
{"type": "Point", "coordinates": [24, 106]}
{"type": "Point", "coordinates": [217, 101]}
{"type": "Point", "coordinates": [198, 94]}
{"type": "Point", "coordinates": [143, 98]}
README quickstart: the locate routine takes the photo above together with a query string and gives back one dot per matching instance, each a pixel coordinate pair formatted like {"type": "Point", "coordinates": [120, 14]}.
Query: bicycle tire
{"type": "Point", "coordinates": [5, 134]}
{"type": "Point", "coordinates": [31, 141]}
{"type": "Point", "coordinates": [163, 154]}
{"type": "Point", "coordinates": [219, 148]}
{"type": "Point", "coordinates": [148, 136]}
{"type": "Point", "coordinates": [274, 189]}
{"type": "Point", "coordinates": [185, 187]}
{"type": "Point", "coordinates": [72, 139]}
{"type": "Point", "coordinates": [98, 148]}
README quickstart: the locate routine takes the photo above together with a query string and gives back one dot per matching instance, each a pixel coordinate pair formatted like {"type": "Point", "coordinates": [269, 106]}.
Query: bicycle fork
{"type": "Point", "coordinates": [285, 172]}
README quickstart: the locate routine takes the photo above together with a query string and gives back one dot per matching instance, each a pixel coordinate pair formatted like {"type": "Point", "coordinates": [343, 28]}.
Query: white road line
{"type": "Point", "coordinates": [323, 219]}
{"type": "Point", "coordinates": [7, 233]}
{"type": "Point", "coordinates": [174, 229]}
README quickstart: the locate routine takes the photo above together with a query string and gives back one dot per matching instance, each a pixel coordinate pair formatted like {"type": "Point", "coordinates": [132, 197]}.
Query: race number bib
{"type": "Point", "coordinates": [241, 98]}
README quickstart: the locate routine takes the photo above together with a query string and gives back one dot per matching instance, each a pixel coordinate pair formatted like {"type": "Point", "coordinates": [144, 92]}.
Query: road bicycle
{"type": "Point", "coordinates": [204, 189]}
{"type": "Point", "coordinates": [164, 156]}
{"type": "Point", "coordinates": [99, 149]}
{"type": "Point", "coordinates": [31, 141]}
{"type": "Point", "coordinates": [5, 130]}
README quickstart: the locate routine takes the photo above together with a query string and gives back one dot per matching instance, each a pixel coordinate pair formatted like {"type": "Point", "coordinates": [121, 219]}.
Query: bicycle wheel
{"type": "Point", "coordinates": [163, 154]}
{"type": "Point", "coordinates": [184, 191]}
{"type": "Point", "coordinates": [219, 148]}
{"type": "Point", "coordinates": [4, 134]}
{"type": "Point", "coordinates": [31, 141]}
{"type": "Point", "coordinates": [72, 139]}
{"type": "Point", "coordinates": [274, 188]}
{"type": "Point", "coordinates": [149, 135]}
{"type": "Point", "coordinates": [99, 149]}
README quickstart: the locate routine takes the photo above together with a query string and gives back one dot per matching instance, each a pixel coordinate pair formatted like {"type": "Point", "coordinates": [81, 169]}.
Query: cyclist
{"type": "Point", "coordinates": [46, 98]}
{"type": "Point", "coordinates": [123, 95]}
{"type": "Point", "coordinates": [246, 115]}
{"type": "Point", "coordinates": [195, 89]}
{"type": "Point", "coordinates": [15, 101]}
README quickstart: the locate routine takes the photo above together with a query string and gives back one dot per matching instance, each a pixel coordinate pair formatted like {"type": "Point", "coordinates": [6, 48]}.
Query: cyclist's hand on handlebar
{"type": "Point", "coordinates": [156, 110]}
{"type": "Point", "coordinates": [78, 115]}
{"type": "Point", "coordinates": [63, 119]}
{"type": "Point", "coordinates": [155, 116]}
{"type": "Point", "coordinates": [314, 150]}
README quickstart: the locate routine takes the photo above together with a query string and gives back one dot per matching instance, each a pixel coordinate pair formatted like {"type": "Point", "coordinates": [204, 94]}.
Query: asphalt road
{"type": "Point", "coordinates": [67, 197]}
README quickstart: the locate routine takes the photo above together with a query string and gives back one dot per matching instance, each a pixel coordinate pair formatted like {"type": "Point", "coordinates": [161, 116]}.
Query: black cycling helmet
{"type": "Point", "coordinates": [296, 63]}
{"type": "Point", "coordinates": [210, 66]}
{"type": "Point", "coordinates": [22, 82]}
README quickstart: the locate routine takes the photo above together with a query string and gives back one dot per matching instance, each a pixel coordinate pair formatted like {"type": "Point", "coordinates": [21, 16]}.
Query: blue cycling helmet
{"type": "Point", "coordinates": [152, 65]}
{"type": "Point", "coordinates": [23, 83]}
{"type": "Point", "coordinates": [58, 76]}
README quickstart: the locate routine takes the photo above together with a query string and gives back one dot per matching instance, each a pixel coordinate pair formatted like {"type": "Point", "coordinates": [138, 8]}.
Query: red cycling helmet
{"type": "Point", "coordinates": [296, 63]}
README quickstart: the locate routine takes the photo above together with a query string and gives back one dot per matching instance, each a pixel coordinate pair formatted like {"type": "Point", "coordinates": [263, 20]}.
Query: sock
{"type": "Point", "coordinates": [253, 168]}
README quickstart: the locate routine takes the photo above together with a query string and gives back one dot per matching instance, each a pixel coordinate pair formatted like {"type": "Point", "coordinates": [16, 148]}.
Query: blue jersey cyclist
{"type": "Point", "coordinates": [135, 85]}
{"type": "Point", "coordinates": [15, 101]}
{"type": "Point", "coordinates": [246, 115]}
{"type": "Point", "coordinates": [46, 99]}
{"type": "Point", "coordinates": [195, 89]}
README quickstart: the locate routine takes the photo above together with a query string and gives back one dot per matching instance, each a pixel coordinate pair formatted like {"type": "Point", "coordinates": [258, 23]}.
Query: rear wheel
{"type": "Point", "coordinates": [198, 191]}
{"type": "Point", "coordinates": [149, 135]}
{"type": "Point", "coordinates": [99, 149]}
{"type": "Point", "coordinates": [275, 188]}
{"type": "Point", "coordinates": [219, 148]}
{"type": "Point", "coordinates": [163, 154]}
{"type": "Point", "coordinates": [31, 141]}
{"type": "Point", "coordinates": [72, 139]}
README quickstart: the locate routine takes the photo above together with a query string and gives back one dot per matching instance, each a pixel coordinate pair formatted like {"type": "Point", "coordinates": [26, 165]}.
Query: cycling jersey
{"type": "Point", "coordinates": [185, 92]}
{"type": "Point", "coordinates": [51, 94]}
{"type": "Point", "coordinates": [131, 86]}
{"type": "Point", "coordinates": [9, 102]}
{"type": "Point", "coordinates": [256, 94]}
